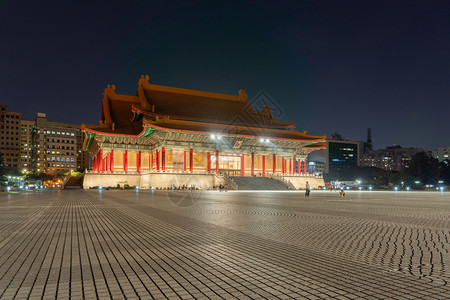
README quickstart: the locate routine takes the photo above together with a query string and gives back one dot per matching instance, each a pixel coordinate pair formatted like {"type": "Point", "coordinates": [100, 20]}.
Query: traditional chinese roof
{"type": "Point", "coordinates": [184, 104]}
{"type": "Point", "coordinates": [171, 125]}
{"type": "Point", "coordinates": [182, 110]}
{"type": "Point", "coordinates": [117, 115]}
{"type": "Point", "coordinates": [316, 146]}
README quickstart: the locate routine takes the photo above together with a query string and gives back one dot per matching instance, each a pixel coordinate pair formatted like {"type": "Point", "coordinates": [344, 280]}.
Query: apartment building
{"type": "Point", "coordinates": [10, 137]}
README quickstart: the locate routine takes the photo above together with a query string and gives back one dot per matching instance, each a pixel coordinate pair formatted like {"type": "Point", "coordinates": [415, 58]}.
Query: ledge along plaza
{"type": "Point", "coordinates": [165, 136]}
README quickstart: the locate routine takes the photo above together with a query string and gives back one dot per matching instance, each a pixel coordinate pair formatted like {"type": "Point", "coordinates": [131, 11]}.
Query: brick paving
{"type": "Point", "coordinates": [235, 245]}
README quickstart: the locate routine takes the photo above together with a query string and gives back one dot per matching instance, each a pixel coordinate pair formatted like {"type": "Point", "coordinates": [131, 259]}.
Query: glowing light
{"type": "Point", "coordinates": [267, 140]}
{"type": "Point", "coordinates": [396, 188]}
{"type": "Point", "coordinates": [219, 137]}
{"type": "Point", "coordinates": [213, 136]}
{"type": "Point", "coordinates": [370, 188]}
{"type": "Point", "coordinates": [261, 140]}
{"type": "Point", "coordinates": [408, 188]}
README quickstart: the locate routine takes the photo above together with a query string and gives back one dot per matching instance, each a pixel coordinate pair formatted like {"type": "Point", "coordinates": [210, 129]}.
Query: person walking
{"type": "Point", "coordinates": [308, 189]}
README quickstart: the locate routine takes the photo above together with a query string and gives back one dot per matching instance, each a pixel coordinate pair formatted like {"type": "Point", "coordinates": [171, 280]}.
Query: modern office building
{"type": "Point", "coordinates": [26, 128]}
{"type": "Point", "coordinates": [341, 155]}
{"type": "Point", "coordinates": [56, 147]}
{"type": "Point", "coordinates": [10, 137]}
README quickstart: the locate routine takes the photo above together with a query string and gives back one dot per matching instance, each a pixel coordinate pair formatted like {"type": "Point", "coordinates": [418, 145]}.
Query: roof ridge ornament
{"type": "Point", "coordinates": [143, 81]}
{"type": "Point", "coordinates": [110, 90]}
{"type": "Point", "coordinates": [243, 95]}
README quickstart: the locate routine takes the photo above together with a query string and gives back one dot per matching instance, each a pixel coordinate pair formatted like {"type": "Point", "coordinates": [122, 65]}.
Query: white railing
{"type": "Point", "coordinates": [282, 179]}
{"type": "Point", "coordinates": [63, 184]}
{"type": "Point", "coordinates": [229, 180]}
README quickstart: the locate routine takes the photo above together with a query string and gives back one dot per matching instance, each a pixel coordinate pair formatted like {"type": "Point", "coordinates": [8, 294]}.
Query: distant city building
{"type": "Point", "coordinates": [393, 158]}
{"type": "Point", "coordinates": [317, 167]}
{"type": "Point", "coordinates": [368, 144]}
{"type": "Point", "coordinates": [441, 153]}
{"type": "Point", "coordinates": [10, 137]}
{"type": "Point", "coordinates": [26, 127]}
{"type": "Point", "coordinates": [56, 147]}
{"type": "Point", "coordinates": [341, 154]}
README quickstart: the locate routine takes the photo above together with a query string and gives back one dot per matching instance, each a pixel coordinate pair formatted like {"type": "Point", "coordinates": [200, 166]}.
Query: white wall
{"type": "Point", "coordinates": [110, 180]}
{"type": "Point", "coordinates": [146, 181]}
{"type": "Point", "coordinates": [300, 181]}
{"type": "Point", "coordinates": [204, 181]}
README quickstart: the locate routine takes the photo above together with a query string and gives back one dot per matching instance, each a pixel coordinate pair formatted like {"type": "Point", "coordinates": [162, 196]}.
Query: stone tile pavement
{"type": "Point", "coordinates": [234, 245]}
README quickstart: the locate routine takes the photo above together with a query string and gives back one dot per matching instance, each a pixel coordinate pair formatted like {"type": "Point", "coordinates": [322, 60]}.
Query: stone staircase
{"type": "Point", "coordinates": [259, 183]}
{"type": "Point", "coordinates": [74, 183]}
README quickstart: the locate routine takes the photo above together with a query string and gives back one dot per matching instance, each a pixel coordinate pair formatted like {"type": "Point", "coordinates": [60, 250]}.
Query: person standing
{"type": "Point", "coordinates": [308, 189]}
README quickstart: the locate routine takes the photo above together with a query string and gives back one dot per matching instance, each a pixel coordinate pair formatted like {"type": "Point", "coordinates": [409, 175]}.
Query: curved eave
{"type": "Point", "coordinates": [143, 132]}
{"type": "Point", "coordinates": [228, 134]}
{"type": "Point", "coordinates": [314, 147]}
{"type": "Point", "coordinates": [201, 120]}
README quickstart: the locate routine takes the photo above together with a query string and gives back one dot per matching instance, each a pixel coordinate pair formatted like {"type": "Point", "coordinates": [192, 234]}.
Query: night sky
{"type": "Point", "coordinates": [329, 66]}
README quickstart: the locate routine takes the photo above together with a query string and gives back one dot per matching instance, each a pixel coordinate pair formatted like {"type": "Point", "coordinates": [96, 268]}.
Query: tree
{"type": "Point", "coordinates": [2, 168]}
{"type": "Point", "coordinates": [444, 171]}
{"type": "Point", "coordinates": [424, 168]}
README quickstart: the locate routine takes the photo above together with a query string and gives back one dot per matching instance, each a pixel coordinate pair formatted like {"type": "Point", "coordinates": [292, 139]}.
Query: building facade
{"type": "Point", "coordinates": [393, 158]}
{"type": "Point", "coordinates": [10, 137]}
{"type": "Point", "coordinates": [166, 130]}
{"type": "Point", "coordinates": [442, 153]}
{"type": "Point", "coordinates": [56, 147]}
{"type": "Point", "coordinates": [342, 154]}
{"type": "Point", "coordinates": [26, 128]}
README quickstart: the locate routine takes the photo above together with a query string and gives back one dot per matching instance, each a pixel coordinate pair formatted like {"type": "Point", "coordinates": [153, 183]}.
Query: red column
{"type": "Point", "coordinates": [157, 160]}
{"type": "Point", "coordinates": [185, 166]}
{"type": "Point", "coordinates": [208, 162]}
{"type": "Point", "coordinates": [242, 165]}
{"type": "Point", "coordinates": [125, 161]}
{"type": "Point", "coordinates": [100, 154]}
{"type": "Point", "coordinates": [111, 163]}
{"type": "Point", "coordinates": [282, 165]}
{"type": "Point", "coordinates": [274, 163]}
{"type": "Point", "coordinates": [94, 167]}
{"type": "Point", "coordinates": [217, 161]}
{"type": "Point", "coordinates": [97, 162]}
{"type": "Point", "coordinates": [253, 163]}
{"type": "Point", "coordinates": [138, 162]}
{"type": "Point", "coordinates": [264, 165]}
{"type": "Point", "coordinates": [163, 158]}
{"type": "Point", "coordinates": [304, 167]}
{"type": "Point", "coordinates": [191, 160]}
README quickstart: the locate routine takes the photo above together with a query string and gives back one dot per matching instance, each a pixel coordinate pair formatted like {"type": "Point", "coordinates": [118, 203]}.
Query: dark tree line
{"type": "Point", "coordinates": [422, 168]}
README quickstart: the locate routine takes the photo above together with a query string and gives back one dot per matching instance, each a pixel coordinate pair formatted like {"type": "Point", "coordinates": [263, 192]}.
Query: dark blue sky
{"type": "Point", "coordinates": [329, 65]}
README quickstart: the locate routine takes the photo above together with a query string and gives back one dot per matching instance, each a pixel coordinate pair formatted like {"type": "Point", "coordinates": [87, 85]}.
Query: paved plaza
{"type": "Point", "coordinates": [224, 245]}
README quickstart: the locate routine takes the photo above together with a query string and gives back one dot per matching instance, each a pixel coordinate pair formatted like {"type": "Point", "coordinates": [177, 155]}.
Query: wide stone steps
{"type": "Point", "coordinates": [259, 183]}
{"type": "Point", "coordinates": [74, 183]}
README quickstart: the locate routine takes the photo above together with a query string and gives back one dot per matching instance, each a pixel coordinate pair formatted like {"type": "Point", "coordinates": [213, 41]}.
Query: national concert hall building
{"type": "Point", "coordinates": [165, 136]}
